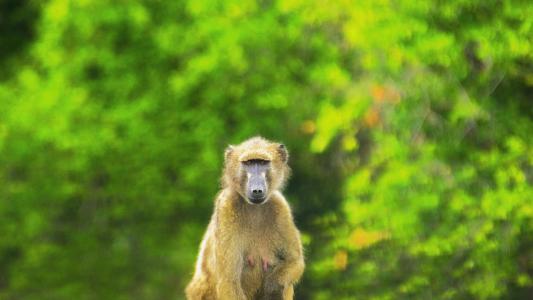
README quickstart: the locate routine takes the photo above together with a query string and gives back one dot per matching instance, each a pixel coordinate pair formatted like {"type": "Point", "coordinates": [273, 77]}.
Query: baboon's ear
{"type": "Point", "coordinates": [283, 153]}
{"type": "Point", "coordinates": [228, 152]}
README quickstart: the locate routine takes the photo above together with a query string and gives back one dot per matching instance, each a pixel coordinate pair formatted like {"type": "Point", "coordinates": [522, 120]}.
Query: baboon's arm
{"type": "Point", "coordinates": [284, 276]}
{"type": "Point", "coordinates": [292, 269]}
{"type": "Point", "coordinates": [229, 260]}
{"type": "Point", "coordinates": [289, 272]}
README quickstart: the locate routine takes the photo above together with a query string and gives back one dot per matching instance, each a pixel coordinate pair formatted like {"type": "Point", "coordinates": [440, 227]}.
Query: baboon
{"type": "Point", "coordinates": [251, 249]}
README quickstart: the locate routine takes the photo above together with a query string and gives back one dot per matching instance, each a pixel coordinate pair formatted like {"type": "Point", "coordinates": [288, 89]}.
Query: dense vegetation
{"type": "Point", "coordinates": [409, 125]}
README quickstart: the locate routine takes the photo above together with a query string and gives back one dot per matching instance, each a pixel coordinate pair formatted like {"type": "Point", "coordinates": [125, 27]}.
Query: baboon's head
{"type": "Point", "coordinates": [256, 168]}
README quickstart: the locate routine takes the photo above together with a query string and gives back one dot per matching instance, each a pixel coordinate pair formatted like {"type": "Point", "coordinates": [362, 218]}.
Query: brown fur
{"type": "Point", "coordinates": [249, 251]}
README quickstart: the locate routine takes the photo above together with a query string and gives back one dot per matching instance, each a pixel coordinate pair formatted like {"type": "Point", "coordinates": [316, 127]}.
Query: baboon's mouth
{"type": "Point", "coordinates": [257, 200]}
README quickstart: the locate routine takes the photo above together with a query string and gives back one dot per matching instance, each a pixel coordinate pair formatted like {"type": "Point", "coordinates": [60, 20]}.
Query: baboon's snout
{"type": "Point", "coordinates": [256, 184]}
{"type": "Point", "coordinates": [257, 189]}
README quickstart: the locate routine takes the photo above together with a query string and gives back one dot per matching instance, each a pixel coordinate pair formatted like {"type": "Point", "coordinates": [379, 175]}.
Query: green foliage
{"type": "Point", "coordinates": [408, 123]}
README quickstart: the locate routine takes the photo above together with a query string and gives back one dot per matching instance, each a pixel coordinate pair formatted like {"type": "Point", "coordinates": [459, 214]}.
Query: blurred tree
{"type": "Point", "coordinates": [17, 23]}
{"type": "Point", "coordinates": [112, 134]}
{"type": "Point", "coordinates": [434, 120]}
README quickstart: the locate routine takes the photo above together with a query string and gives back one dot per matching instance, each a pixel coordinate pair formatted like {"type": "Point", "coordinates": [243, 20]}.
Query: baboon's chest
{"type": "Point", "coordinates": [261, 241]}
{"type": "Point", "coordinates": [262, 252]}
{"type": "Point", "coordinates": [260, 259]}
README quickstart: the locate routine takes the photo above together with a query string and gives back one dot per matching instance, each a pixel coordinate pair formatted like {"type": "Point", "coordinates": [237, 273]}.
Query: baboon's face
{"type": "Point", "coordinates": [255, 169]}
{"type": "Point", "coordinates": [255, 180]}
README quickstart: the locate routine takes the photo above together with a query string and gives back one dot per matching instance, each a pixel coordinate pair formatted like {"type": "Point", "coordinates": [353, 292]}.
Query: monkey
{"type": "Point", "coordinates": [251, 248]}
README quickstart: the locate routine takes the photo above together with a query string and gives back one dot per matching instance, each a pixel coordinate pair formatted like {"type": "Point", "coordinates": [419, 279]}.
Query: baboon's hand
{"type": "Point", "coordinates": [273, 288]}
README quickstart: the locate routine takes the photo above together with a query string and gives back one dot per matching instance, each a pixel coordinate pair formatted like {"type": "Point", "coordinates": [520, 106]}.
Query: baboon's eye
{"type": "Point", "coordinates": [261, 162]}
{"type": "Point", "coordinates": [256, 161]}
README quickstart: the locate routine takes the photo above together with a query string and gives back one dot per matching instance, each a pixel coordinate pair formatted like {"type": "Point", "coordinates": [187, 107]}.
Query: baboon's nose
{"type": "Point", "coordinates": [257, 192]}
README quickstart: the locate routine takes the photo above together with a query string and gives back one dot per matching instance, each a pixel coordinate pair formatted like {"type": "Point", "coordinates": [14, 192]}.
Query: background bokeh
{"type": "Point", "coordinates": [409, 125]}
